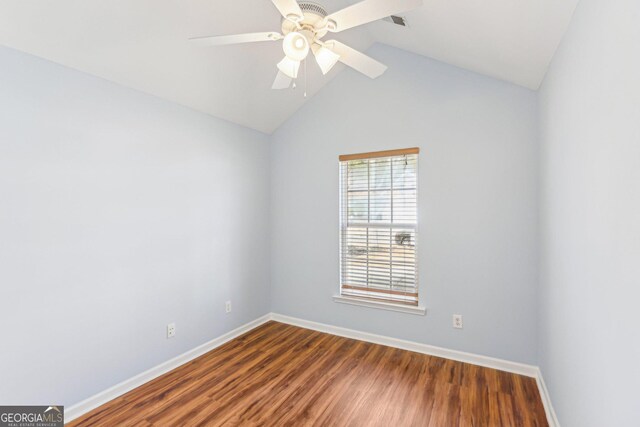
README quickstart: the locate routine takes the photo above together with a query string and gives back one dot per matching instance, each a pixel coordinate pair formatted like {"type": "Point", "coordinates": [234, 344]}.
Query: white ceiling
{"type": "Point", "coordinates": [143, 44]}
{"type": "Point", "coordinates": [512, 40]}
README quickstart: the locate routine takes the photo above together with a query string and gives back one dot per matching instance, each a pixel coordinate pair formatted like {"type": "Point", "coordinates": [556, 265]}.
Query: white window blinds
{"type": "Point", "coordinates": [378, 222]}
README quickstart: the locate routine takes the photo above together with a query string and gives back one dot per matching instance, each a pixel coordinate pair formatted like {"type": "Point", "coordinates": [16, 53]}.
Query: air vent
{"type": "Point", "coordinates": [398, 20]}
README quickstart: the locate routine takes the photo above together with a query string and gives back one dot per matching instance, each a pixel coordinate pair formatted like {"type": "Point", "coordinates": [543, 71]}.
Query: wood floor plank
{"type": "Point", "coordinates": [281, 375]}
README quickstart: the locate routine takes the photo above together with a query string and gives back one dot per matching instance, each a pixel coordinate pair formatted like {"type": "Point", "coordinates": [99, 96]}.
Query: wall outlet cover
{"type": "Point", "coordinates": [457, 321]}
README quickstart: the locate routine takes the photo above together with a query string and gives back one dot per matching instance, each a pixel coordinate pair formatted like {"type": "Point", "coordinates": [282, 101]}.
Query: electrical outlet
{"type": "Point", "coordinates": [227, 306]}
{"type": "Point", "coordinates": [171, 330]}
{"type": "Point", "coordinates": [457, 321]}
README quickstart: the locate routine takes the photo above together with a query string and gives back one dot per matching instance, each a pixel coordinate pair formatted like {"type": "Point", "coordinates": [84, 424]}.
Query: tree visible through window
{"type": "Point", "coordinates": [378, 223]}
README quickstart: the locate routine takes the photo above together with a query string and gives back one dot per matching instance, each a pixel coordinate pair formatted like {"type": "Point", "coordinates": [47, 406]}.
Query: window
{"type": "Point", "coordinates": [378, 224]}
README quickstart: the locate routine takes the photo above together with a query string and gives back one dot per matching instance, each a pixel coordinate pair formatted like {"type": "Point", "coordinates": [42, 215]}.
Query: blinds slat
{"type": "Point", "coordinates": [380, 290]}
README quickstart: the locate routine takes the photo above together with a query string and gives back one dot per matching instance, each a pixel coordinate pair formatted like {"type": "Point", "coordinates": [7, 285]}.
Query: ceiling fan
{"type": "Point", "coordinates": [304, 24]}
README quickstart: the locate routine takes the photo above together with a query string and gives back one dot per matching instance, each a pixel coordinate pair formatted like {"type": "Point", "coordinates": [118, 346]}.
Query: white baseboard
{"type": "Point", "coordinates": [546, 401]}
{"type": "Point", "coordinates": [117, 390]}
{"type": "Point", "coordinates": [460, 356]}
{"type": "Point", "coordinates": [101, 398]}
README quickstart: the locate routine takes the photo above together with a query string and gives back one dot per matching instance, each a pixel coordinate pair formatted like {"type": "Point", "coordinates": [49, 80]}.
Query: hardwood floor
{"type": "Point", "coordinates": [282, 375]}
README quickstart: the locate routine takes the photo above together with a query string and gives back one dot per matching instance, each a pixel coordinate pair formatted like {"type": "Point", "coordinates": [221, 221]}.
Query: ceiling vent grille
{"type": "Point", "coordinates": [397, 20]}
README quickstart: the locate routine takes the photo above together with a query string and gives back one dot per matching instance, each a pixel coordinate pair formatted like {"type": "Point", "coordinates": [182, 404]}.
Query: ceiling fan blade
{"type": "Point", "coordinates": [236, 39]}
{"type": "Point", "coordinates": [282, 81]}
{"type": "Point", "coordinates": [356, 60]}
{"type": "Point", "coordinates": [368, 11]}
{"type": "Point", "coordinates": [288, 7]}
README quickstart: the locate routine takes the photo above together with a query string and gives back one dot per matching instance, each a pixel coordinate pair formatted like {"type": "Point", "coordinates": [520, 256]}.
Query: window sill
{"type": "Point", "coordinates": [421, 311]}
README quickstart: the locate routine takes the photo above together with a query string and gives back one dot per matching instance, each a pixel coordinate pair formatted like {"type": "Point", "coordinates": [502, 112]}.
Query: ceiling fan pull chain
{"type": "Point", "coordinates": [305, 77]}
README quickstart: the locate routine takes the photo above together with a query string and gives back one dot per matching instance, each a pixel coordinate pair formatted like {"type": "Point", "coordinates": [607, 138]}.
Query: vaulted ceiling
{"type": "Point", "coordinates": [143, 44]}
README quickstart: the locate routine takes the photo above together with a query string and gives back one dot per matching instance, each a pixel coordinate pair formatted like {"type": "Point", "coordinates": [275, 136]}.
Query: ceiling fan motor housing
{"type": "Point", "coordinates": [313, 22]}
{"type": "Point", "coordinates": [313, 8]}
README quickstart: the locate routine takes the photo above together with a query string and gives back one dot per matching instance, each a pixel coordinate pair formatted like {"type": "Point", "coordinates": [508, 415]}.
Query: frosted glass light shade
{"type": "Point", "coordinates": [295, 46]}
{"type": "Point", "coordinates": [325, 58]}
{"type": "Point", "coordinates": [289, 67]}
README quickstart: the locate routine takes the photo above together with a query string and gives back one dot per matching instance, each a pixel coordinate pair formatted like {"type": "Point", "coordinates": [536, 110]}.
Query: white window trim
{"type": "Point", "coordinates": [381, 305]}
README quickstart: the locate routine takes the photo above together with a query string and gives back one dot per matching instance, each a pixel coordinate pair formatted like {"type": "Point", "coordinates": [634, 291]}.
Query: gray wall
{"type": "Point", "coordinates": [119, 213]}
{"type": "Point", "coordinates": [590, 218]}
{"type": "Point", "coordinates": [477, 202]}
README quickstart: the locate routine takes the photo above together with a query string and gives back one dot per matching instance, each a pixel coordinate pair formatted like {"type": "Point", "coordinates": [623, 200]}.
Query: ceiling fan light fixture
{"type": "Point", "coordinates": [295, 46]}
{"type": "Point", "coordinates": [289, 67]}
{"type": "Point", "coordinates": [305, 24]}
{"type": "Point", "coordinates": [325, 58]}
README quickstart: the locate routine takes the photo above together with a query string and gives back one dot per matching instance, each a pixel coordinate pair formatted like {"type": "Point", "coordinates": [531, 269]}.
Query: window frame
{"type": "Point", "coordinates": [367, 301]}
